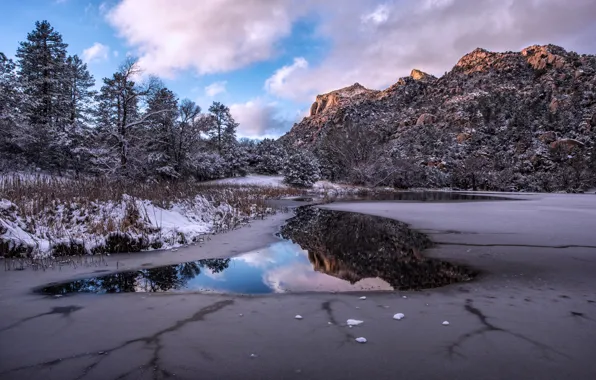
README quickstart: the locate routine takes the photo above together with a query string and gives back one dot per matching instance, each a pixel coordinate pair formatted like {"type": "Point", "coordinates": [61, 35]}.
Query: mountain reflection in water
{"type": "Point", "coordinates": [325, 251]}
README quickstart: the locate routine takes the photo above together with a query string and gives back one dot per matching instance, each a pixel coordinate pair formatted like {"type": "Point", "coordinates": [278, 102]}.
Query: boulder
{"type": "Point", "coordinates": [461, 137]}
{"type": "Point", "coordinates": [548, 137]}
{"type": "Point", "coordinates": [566, 144]}
{"type": "Point", "coordinates": [425, 119]}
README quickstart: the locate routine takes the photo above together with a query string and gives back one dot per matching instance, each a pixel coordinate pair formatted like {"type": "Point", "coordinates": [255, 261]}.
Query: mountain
{"type": "Point", "coordinates": [514, 120]}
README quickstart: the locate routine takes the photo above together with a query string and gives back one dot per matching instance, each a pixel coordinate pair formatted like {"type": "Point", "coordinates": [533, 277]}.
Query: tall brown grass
{"type": "Point", "coordinates": [40, 193]}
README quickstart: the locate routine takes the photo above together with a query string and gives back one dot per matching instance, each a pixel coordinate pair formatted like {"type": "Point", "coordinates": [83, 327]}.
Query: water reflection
{"type": "Point", "coordinates": [353, 246]}
{"type": "Point", "coordinates": [324, 251]}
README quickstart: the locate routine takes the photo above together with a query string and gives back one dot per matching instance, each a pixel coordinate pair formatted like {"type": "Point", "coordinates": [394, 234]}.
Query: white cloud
{"type": "Point", "coordinates": [208, 36]}
{"type": "Point", "coordinates": [372, 42]}
{"type": "Point", "coordinates": [276, 84]}
{"type": "Point", "coordinates": [378, 16]}
{"type": "Point", "coordinates": [431, 35]}
{"type": "Point", "coordinates": [116, 54]}
{"type": "Point", "coordinates": [258, 119]}
{"type": "Point", "coordinates": [215, 88]}
{"type": "Point", "coordinates": [95, 53]}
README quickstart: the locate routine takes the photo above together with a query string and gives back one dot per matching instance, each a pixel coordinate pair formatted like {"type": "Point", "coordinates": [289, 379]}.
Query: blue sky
{"type": "Point", "coordinates": [268, 59]}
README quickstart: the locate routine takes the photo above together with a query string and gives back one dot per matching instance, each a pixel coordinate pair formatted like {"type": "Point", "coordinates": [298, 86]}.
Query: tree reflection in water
{"type": "Point", "coordinates": [161, 279]}
{"type": "Point", "coordinates": [354, 246]}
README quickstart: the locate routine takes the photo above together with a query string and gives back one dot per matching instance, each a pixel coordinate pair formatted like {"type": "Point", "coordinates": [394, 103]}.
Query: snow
{"type": "Point", "coordinates": [354, 322]}
{"type": "Point", "coordinates": [445, 323]}
{"type": "Point", "coordinates": [363, 297]}
{"type": "Point", "coordinates": [298, 317]}
{"type": "Point", "coordinates": [251, 180]}
{"type": "Point", "coordinates": [398, 316]}
{"type": "Point", "coordinates": [89, 224]}
{"type": "Point", "coordinates": [277, 181]}
{"type": "Point", "coordinates": [361, 340]}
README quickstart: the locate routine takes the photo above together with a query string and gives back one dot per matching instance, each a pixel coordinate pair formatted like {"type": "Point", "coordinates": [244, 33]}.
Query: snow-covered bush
{"type": "Point", "coordinates": [208, 166]}
{"type": "Point", "coordinates": [301, 169]}
{"type": "Point", "coordinates": [269, 157]}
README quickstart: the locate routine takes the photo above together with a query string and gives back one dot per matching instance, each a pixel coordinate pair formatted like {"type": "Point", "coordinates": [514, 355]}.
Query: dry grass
{"type": "Point", "coordinates": [38, 194]}
{"type": "Point", "coordinates": [54, 209]}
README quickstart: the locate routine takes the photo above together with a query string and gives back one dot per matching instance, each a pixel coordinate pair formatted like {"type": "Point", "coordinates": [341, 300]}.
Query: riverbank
{"type": "Point", "coordinates": [531, 314]}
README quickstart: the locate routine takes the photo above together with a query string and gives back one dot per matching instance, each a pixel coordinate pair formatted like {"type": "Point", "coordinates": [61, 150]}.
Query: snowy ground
{"type": "Point", "coordinates": [142, 223]}
{"type": "Point", "coordinates": [531, 315]}
{"type": "Point", "coordinates": [277, 181]}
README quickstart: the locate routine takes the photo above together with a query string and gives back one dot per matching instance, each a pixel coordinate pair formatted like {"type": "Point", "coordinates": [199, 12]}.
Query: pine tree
{"type": "Point", "coordinates": [80, 91]}
{"type": "Point", "coordinates": [42, 67]}
{"type": "Point", "coordinates": [161, 132]}
{"type": "Point", "coordinates": [223, 128]}
{"type": "Point", "coordinates": [269, 157]}
{"type": "Point", "coordinates": [301, 169]}
{"type": "Point", "coordinates": [78, 109]}
{"type": "Point", "coordinates": [11, 120]}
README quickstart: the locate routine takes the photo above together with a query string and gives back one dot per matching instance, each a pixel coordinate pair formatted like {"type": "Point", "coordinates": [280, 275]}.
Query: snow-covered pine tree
{"type": "Point", "coordinates": [73, 137]}
{"type": "Point", "coordinates": [301, 169]}
{"type": "Point", "coordinates": [223, 126]}
{"type": "Point", "coordinates": [11, 119]}
{"type": "Point", "coordinates": [42, 70]}
{"type": "Point", "coordinates": [233, 153]}
{"type": "Point", "coordinates": [269, 157]}
{"type": "Point", "coordinates": [161, 139]}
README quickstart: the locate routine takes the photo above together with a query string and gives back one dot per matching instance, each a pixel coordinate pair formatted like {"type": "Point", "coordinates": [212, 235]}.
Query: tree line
{"type": "Point", "coordinates": [53, 119]}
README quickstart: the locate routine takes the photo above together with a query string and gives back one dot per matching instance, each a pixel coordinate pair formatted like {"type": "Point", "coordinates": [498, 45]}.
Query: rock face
{"type": "Point", "coordinates": [337, 98]}
{"type": "Point", "coordinates": [507, 109]}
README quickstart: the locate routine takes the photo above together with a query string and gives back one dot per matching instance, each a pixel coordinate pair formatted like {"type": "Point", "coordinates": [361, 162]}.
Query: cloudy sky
{"type": "Point", "coordinates": [267, 59]}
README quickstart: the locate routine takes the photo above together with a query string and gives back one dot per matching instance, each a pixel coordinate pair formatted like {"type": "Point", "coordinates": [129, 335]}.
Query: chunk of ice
{"type": "Point", "coordinates": [363, 297]}
{"type": "Point", "coordinates": [398, 316]}
{"type": "Point", "coordinates": [445, 323]}
{"type": "Point", "coordinates": [361, 340]}
{"type": "Point", "coordinates": [354, 322]}
{"type": "Point", "coordinates": [298, 317]}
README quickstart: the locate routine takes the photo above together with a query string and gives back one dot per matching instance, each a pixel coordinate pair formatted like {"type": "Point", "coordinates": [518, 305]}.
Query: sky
{"type": "Point", "coordinates": [268, 59]}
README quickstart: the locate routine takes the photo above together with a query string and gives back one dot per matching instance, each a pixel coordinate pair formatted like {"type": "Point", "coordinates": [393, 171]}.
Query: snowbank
{"type": "Point", "coordinates": [128, 225]}
{"type": "Point", "coordinates": [278, 181]}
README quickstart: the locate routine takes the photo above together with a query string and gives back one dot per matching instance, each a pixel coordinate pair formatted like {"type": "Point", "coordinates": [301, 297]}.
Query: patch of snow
{"type": "Point", "coordinates": [398, 316]}
{"type": "Point", "coordinates": [363, 297]}
{"type": "Point", "coordinates": [354, 322]}
{"type": "Point", "coordinates": [298, 317]}
{"type": "Point", "coordinates": [445, 323]}
{"type": "Point", "coordinates": [361, 340]}
{"type": "Point", "coordinates": [251, 180]}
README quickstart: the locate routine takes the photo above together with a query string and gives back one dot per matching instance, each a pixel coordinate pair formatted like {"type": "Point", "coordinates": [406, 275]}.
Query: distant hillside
{"type": "Point", "coordinates": [496, 121]}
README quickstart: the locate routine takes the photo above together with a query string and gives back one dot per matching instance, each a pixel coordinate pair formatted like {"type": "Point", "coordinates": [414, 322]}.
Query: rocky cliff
{"type": "Point", "coordinates": [523, 120]}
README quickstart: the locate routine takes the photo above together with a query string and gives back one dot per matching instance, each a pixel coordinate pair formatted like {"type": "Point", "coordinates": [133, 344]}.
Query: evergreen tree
{"type": "Point", "coordinates": [269, 157]}
{"type": "Point", "coordinates": [161, 132]}
{"type": "Point", "coordinates": [79, 110]}
{"type": "Point", "coordinates": [42, 67]}
{"type": "Point", "coordinates": [11, 120]}
{"type": "Point", "coordinates": [80, 91]}
{"type": "Point", "coordinates": [301, 169]}
{"type": "Point", "coordinates": [223, 128]}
